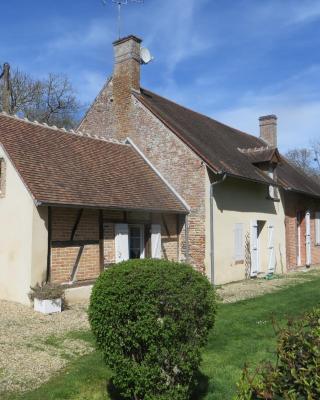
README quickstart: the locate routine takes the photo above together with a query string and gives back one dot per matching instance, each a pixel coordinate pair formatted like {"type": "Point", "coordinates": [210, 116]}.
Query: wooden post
{"type": "Point", "coordinates": [48, 277]}
{"type": "Point", "coordinates": [6, 88]}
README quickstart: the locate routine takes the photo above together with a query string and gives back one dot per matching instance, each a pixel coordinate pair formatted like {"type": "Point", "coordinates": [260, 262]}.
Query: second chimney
{"type": "Point", "coordinates": [268, 130]}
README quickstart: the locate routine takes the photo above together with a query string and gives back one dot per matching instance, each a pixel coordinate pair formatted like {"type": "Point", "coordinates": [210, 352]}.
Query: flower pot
{"type": "Point", "coordinates": [48, 306]}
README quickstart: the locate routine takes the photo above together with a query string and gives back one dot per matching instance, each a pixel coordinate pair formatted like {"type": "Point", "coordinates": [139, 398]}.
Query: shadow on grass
{"type": "Point", "coordinates": [201, 389]}
{"type": "Point", "coordinates": [198, 393]}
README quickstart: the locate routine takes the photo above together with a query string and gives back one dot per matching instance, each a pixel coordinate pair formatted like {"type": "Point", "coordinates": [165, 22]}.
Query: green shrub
{"type": "Point", "coordinates": [150, 319]}
{"type": "Point", "coordinates": [296, 374]}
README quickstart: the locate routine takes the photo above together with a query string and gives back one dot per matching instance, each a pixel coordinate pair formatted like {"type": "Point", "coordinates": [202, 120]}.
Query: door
{"type": "Point", "coordinates": [156, 241]}
{"type": "Point", "coordinates": [122, 242]}
{"type": "Point", "coordinates": [308, 239]}
{"type": "Point", "coordinates": [254, 248]}
{"type": "Point", "coordinates": [271, 249]}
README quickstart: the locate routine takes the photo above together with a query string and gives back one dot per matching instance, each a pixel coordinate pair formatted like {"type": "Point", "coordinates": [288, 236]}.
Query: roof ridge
{"type": "Point", "coordinates": [61, 130]}
{"type": "Point", "coordinates": [196, 112]}
{"type": "Point", "coordinates": [255, 149]}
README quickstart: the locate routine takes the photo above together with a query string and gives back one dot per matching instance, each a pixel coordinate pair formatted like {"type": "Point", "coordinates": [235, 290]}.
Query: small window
{"type": "Point", "coordinates": [317, 227]}
{"type": "Point", "coordinates": [2, 177]}
{"type": "Point", "coordinates": [273, 190]}
{"type": "Point", "coordinates": [239, 242]}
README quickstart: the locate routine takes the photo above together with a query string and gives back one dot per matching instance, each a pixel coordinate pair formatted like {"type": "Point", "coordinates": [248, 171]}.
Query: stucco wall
{"type": "Point", "coordinates": [39, 245]}
{"type": "Point", "coordinates": [237, 201]}
{"type": "Point", "coordinates": [16, 210]}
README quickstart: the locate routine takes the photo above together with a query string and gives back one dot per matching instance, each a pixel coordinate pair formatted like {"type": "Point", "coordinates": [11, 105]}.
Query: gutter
{"type": "Point", "coordinates": [212, 185]}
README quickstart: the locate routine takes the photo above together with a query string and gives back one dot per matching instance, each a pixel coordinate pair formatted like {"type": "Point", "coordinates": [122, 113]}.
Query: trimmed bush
{"type": "Point", "coordinates": [296, 375]}
{"type": "Point", "coordinates": [150, 319]}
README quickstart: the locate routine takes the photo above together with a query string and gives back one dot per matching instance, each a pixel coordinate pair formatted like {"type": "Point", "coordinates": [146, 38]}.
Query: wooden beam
{"type": "Point", "coordinates": [165, 225]}
{"type": "Point", "coordinates": [76, 224]}
{"type": "Point", "coordinates": [48, 275]}
{"type": "Point", "coordinates": [76, 264]}
{"type": "Point", "coordinates": [101, 238]}
{"type": "Point", "coordinates": [73, 243]}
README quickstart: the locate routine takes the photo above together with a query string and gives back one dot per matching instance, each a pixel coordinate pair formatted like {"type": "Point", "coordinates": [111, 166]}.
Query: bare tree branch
{"type": "Point", "coordinates": [51, 100]}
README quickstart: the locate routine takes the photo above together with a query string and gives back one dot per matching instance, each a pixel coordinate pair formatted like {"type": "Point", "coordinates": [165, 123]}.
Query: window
{"type": "Point", "coordinates": [238, 243]}
{"type": "Point", "coordinates": [135, 242]}
{"type": "Point", "coordinates": [273, 190]}
{"type": "Point", "coordinates": [317, 227]}
{"type": "Point", "coordinates": [2, 177]}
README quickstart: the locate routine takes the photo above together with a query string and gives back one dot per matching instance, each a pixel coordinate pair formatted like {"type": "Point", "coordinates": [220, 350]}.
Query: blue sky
{"type": "Point", "coordinates": [231, 59]}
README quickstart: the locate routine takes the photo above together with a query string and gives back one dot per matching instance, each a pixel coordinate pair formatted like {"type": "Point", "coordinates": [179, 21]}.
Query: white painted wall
{"type": "Point", "coordinates": [238, 201]}
{"type": "Point", "coordinates": [23, 238]}
{"type": "Point", "coordinates": [15, 237]}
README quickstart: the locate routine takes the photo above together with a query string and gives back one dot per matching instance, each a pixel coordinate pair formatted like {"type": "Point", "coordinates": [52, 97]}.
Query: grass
{"type": "Point", "coordinates": [243, 334]}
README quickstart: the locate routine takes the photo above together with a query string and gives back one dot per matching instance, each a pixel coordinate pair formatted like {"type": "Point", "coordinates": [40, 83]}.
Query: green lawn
{"type": "Point", "coordinates": [243, 333]}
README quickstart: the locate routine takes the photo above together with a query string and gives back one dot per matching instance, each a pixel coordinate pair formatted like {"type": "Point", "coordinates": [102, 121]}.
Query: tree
{"type": "Point", "coordinates": [308, 159]}
{"type": "Point", "coordinates": [51, 100]}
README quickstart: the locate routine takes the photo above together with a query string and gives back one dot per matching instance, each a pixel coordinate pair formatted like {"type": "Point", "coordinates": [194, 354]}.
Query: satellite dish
{"type": "Point", "coordinates": [145, 56]}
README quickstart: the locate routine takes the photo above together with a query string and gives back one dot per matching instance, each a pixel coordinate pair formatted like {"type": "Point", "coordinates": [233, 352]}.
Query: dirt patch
{"type": "Point", "coordinates": [34, 346]}
{"type": "Point", "coordinates": [250, 288]}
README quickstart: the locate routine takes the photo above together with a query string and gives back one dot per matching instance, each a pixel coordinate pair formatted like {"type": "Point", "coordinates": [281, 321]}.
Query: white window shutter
{"type": "Point", "coordinates": [317, 227]}
{"type": "Point", "coordinates": [155, 241]}
{"type": "Point", "coordinates": [254, 248]}
{"type": "Point", "coordinates": [271, 249]}
{"type": "Point", "coordinates": [308, 238]}
{"type": "Point", "coordinates": [238, 242]}
{"type": "Point", "coordinates": [122, 242]}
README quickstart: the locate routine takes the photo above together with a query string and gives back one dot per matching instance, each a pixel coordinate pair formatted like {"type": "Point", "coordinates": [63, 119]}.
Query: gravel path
{"type": "Point", "coordinates": [250, 288]}
{"type": "Point", "coordinates": [34, 346]}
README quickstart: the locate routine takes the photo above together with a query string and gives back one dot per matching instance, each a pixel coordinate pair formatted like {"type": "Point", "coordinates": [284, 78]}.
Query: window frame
{"type": "Point", "coordinates": [317, 228]}
{"type": "Point", "coordinates": [239, 258]}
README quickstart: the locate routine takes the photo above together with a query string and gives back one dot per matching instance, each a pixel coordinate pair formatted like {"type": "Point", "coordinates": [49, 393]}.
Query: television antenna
{"type": "Point", "coordinates": [121, 3]}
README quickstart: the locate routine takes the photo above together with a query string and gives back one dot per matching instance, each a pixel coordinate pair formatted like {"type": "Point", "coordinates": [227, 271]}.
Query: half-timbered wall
{"type": "Point", "coordinates": [77, 248]}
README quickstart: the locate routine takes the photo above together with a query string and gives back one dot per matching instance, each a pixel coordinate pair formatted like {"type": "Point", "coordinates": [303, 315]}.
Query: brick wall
{"type": "Point", "coordinates": [175, 161]}
{"type": "Point", "coordinates": [295, 203]}
{"type": "Point", "coordinates": [169, 234]}
{"type": "Point", "coordinates": [63, 258]}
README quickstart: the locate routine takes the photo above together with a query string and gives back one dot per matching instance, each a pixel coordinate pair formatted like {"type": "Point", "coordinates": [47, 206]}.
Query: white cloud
{"type": "Point", "coordinates": [298, 122]}
{"type": "Point", "coordinates": [96, 33]}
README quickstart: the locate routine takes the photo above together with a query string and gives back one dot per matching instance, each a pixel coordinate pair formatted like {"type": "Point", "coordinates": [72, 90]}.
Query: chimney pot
{"type": "Point", "coordinates": [268, 130]}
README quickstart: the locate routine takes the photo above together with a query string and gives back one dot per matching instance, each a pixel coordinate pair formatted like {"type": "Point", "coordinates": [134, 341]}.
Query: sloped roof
{"type": "Point", "coordinates": [61, 168]}
{"type": "Point", "coordinates": [259, 155]}
{"type": "Point", "coordinates": [222, 147]}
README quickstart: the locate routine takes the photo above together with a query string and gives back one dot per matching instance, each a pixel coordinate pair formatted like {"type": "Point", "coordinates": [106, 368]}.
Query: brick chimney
{"type": "Point", "coordinates": [268, 130]}
{"type": "Point", "coordinates": [126, 76]}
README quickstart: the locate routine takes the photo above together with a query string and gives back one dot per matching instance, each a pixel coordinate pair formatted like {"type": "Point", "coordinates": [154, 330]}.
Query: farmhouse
{"type": "Point", "coordinates": [71, 205]}
{"type": "Point", "coordinates": [251, 211]}
{"type": "Point", "coordinates": [146, 177]}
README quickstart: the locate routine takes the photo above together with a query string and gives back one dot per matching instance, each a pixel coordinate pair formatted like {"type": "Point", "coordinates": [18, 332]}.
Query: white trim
{"type": "Point", "coordinates": [136, 148]}
{"type": "Point", "coordinates": [308, 237]}
{"type": "Point", "coordinates": [317, 228]}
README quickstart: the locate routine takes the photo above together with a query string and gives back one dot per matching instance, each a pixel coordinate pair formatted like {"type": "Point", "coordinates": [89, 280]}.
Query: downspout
{"type": "Point", "coordinates": [224, 176]}
{"type": "Point", "coordinates": [187, 237]}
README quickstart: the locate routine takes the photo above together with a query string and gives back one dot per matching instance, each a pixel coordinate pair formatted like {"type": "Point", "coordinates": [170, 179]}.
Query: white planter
{"type": "Point", "coordinates": [47, 306]}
